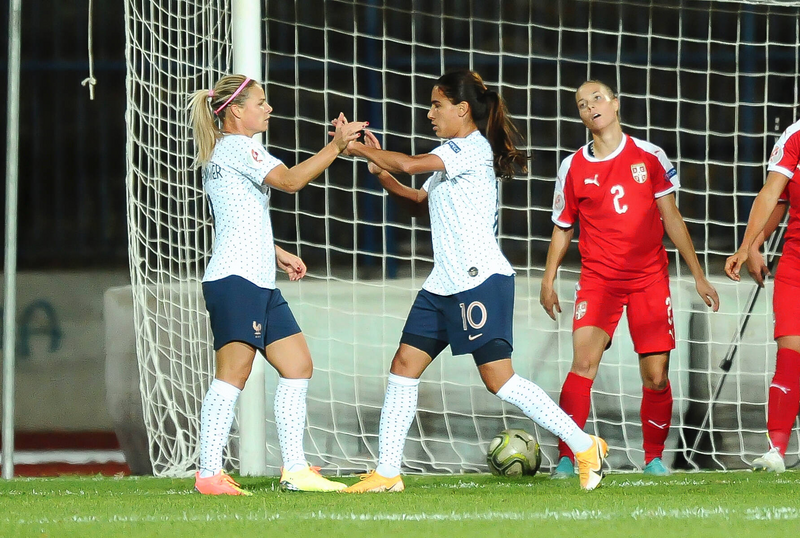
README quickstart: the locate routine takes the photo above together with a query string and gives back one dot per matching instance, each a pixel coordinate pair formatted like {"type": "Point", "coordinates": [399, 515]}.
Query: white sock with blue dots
{"type": "Point", "coordinates": [216, 419]}
{"type": "Point", "coordinates": [540, 408]}
{"type": "Point", "coordinates": [290, 417]}
{"type": "Point", "coordinates": [399, 408]}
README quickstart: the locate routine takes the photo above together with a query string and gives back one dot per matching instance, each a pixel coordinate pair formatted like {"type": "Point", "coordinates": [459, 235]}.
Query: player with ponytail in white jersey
{"type": "Point", "coordinates": [246, 310]}
{"type": "Point", "coordinates": [467, 302]}
{"type": "Point", "coordinates": [620, 189]}
{"type": "Point", "coordinates": [781, 189]}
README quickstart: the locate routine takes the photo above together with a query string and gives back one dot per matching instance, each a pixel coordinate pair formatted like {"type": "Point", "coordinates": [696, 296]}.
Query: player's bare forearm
{"type": "Point", "coordinates": [295, 178]}
{"type": "Point", "coordinates": [410, 199]}
{"type": "Point", "coordinates": [772, 224]}
{"type": "Point", "coordinates": [559, 243]}
{"type": "Point", "coordinates": [763, 210]}
{"type": "Point", "coordinates": [398, 163]}
{"type": "Point", "coordinates": [679, 234]}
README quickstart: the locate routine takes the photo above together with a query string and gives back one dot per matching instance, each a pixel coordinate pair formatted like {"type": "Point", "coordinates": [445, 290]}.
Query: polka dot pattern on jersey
{"type": "Point", "coordinates": [239, 203]}
{"type": "Point", "coordinates": [463, 204]}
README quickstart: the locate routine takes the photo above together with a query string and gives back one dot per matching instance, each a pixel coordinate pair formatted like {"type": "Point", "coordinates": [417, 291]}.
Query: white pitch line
{"type": "Point", "coordinates": [769, 513]}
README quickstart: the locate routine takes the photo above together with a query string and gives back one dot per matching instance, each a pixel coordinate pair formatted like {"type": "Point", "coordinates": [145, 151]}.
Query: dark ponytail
{"type": "Point", "coordinates": [491, 116]}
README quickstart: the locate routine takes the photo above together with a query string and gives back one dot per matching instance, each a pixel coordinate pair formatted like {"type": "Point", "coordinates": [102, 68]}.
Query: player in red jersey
{"type": "Point", "coordinates": [769, 207]}
{"type": "Point", "coordinates": [620, 189]}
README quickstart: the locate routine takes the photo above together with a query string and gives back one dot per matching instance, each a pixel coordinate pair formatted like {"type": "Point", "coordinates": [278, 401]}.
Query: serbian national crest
{"type": "Point", "coordinates": [639, 172]}
{"type": "Point", "coordinates": [580, 310]}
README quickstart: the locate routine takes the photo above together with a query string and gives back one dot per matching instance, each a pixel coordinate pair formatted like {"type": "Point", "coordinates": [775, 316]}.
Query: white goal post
{"type": "Point", "coordinates": [711, 82]}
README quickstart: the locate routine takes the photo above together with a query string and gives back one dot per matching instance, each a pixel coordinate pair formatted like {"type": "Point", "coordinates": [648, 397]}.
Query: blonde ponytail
{"type": "Point", "coordinates": [202, 107]}
{"type": "Point", "coordinates": [206, 132]}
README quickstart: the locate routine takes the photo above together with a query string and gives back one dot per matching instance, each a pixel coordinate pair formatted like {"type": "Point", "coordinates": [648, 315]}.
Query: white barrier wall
{"type": "Point", "coordinates": [353, 331]}
{"type": "Point", "coordinates": [60, 356]}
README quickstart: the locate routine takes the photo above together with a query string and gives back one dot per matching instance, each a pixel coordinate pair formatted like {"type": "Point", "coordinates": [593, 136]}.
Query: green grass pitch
{"type": "Point", "coordinates": [730, 505]}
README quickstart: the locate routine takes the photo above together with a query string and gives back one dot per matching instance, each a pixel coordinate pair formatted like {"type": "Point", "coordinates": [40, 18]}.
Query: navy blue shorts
{"type": "Point", "coordinates": [240, 311]}
{"type": "Point", "coordinates": [467, 320]}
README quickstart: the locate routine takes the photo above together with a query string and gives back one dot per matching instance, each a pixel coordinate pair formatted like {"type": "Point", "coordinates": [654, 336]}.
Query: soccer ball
{"type": "Point", "coordinates": [513, 453]}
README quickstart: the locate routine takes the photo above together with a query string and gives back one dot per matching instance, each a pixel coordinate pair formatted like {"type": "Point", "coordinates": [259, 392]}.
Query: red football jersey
{"type": "Point", "coordinates": [614, 199]}
{"type": "Point", "coordinates": [785, 159]}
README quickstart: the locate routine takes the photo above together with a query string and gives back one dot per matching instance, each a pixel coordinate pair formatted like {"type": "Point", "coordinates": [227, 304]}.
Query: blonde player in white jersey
{"type": "Point", "coordinates": [246, 310]}
{"type": "Point", "coordinates": [467, 302]}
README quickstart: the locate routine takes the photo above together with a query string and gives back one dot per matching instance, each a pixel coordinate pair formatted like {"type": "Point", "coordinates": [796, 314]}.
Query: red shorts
{"type": "Point", "coordinates": [649, 313]}
{"type": "Point", "coordinates": [786, 309]}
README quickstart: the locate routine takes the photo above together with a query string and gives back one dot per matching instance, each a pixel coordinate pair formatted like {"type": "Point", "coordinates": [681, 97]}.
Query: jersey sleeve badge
{"type": "Point", "coordinates": [776, 155]}
{"type": "Point", "coordinates": [255, 154]}
{"type": "Point", "coordinates": [639, 172]}
{"type": "Point", "coordinates": [454, 146]}
{"type": "Point", "coordinates": [558, 202]}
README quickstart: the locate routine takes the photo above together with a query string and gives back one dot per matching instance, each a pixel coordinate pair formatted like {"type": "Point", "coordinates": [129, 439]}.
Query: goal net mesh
{"type": "Point", "coordinates": [712, 83]}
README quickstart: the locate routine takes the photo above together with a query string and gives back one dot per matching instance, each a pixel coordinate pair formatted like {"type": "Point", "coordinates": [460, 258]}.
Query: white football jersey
{"type": "Point", "coordinates": [239, 202]}
{"type": "Point", "coordinates": [463, 204]}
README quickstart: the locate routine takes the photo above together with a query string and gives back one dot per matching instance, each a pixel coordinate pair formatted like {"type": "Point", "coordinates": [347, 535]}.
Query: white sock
{"type": "Point", "coordinates": [541, 408]}
{"type": "Point", "coordinates": [216, 419]}
{"type": "Point", "coordinates": [399, 408]}
{"type": "Point", "coordinates": [290, 417]}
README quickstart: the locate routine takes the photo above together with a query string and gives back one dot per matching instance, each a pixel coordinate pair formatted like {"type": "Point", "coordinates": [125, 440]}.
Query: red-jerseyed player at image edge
{"type": "Point", "coordinates": [620, 189]}
{"type": "Point", "coordinates": [782, 186]}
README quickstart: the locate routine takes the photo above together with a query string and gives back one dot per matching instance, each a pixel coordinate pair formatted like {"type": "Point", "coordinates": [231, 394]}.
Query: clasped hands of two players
{"type": "Point", "coordinates": [755, 265]}
{"type": "Point", "coordinates": [370, 140]}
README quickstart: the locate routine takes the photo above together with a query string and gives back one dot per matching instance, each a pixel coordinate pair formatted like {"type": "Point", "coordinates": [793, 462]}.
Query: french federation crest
{"type": "Point", "coordinates": [580, 310]}
{"type": "Point", "coordinates": [639, 172]}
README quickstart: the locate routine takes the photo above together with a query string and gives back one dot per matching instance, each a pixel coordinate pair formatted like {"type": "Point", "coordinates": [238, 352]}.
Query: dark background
{"type": "Point", "coordinates": [72, 203]}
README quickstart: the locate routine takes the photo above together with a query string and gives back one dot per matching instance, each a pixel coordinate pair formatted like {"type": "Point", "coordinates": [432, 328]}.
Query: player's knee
{"type": "Point", "coordinates": [585, 367]}
{"type": "Point", "coordinates": [656, 382]}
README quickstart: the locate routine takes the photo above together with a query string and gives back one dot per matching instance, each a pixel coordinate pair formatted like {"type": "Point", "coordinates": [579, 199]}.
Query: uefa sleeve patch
{"type": "Point", "coordinates": [777, 154]}
{"type": "Point", "coordinates": [454, 146]}
{"type": "Point", "coordinates": [558, 202]}
{"type": "Point", "coordinates": [672, 173]}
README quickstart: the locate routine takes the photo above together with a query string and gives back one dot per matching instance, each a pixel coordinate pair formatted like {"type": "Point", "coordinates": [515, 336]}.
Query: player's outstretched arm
{"type": "Point", "coordinates": [760, 214]}
{"type": "Point", "coordinates": [290, 264]}
{"type": "Point", "coordinates": [679, 234]}
{"type": "Point", "coordinates": [295, 178]}
{"type": "Point", "coordinates": [412, 200]}
{"type": "Point", "coordinates": [559, 243]}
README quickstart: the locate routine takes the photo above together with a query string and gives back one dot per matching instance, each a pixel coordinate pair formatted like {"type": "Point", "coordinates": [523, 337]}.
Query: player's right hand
{"type": "Point", "coordinates": [371, 141]}
{"type": "Point", "coordinates": [757, 268]}
{"type": "Point", "coordinates": [734, 264]}
{"type": "Point", "coordinates": [346, 132]}
{"type": "Point", "coordinates": [548, 298]}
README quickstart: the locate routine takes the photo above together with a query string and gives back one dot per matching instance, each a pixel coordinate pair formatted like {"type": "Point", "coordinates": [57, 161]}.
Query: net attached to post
{"type": "Point", "coordinates": [712, 83]}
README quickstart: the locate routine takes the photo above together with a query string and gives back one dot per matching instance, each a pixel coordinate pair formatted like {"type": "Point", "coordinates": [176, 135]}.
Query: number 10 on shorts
{"type": "Point", "coordinates": [468, 315]}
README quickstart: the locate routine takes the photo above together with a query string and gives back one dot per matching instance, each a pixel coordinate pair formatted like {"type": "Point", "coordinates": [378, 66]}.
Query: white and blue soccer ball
{"type": "Point", "coordinates": [514, 453]}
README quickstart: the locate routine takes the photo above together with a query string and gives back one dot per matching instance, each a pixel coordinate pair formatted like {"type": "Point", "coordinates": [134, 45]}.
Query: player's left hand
{"type": "Point", "coordinates": [757, 268]}
{"type": "Point", "coordinates": [346, 132]}
{"type": "Point", "coordinates": [290, 264]}
{"type": "Point", "coordinates": [734, 264]}
{"type": "Point", "coordinates": [708, 293]}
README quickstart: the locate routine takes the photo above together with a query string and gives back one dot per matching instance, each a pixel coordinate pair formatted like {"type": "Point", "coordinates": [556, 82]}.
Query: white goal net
{"type": "Point", "coordinates": [712, 83]}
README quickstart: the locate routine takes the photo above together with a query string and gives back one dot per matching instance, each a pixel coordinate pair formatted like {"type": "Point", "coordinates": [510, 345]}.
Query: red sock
{"type": "Point", "coordinates": [576, 399]}
{"type": "Point", "coordinates": [784, 398]}
{"type": "Point", "coordinates": [656, 415]}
